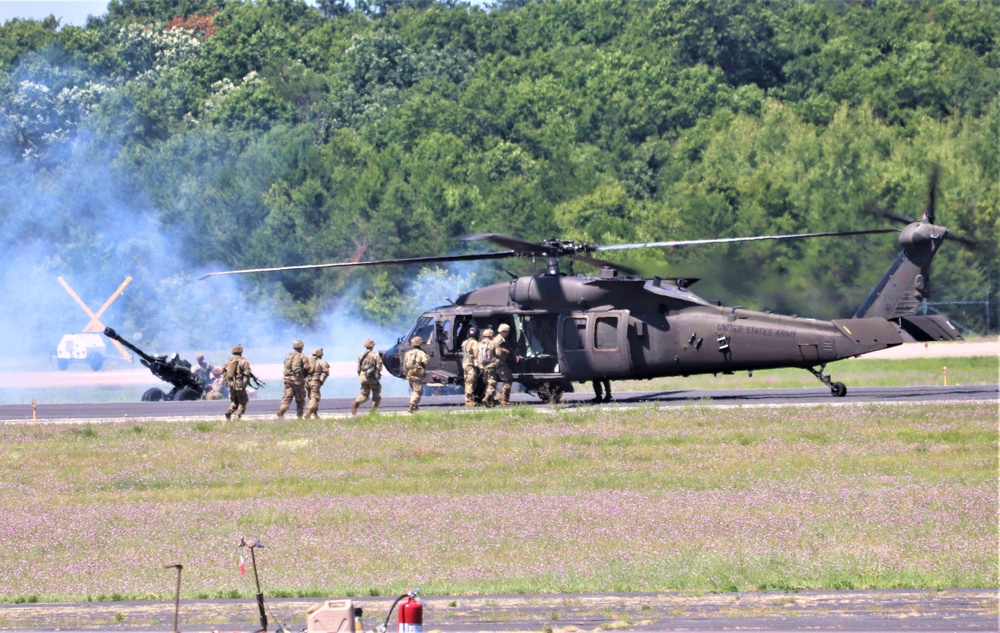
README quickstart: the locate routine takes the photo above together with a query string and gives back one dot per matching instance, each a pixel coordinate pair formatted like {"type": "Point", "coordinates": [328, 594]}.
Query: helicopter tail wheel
{"type": "Point", "coordinates": [838, 389]}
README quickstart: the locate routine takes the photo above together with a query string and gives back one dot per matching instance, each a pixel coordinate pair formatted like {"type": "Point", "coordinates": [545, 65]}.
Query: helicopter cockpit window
{"type": "Point", "coordinates": [424, 328]}
{"type": "Point", "coordinates": [574, 334]}
{"type": "Point", "coordinates": [606, 333]}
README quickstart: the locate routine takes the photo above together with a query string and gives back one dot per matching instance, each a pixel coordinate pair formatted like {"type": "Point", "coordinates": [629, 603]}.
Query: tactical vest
{"type": "Point", "coordinates": [411, 365]}
{"type": "Point", "coordinates": [295, 365]}
{"type": "Point", "coordinates": [369, 367]}
{"type": "Point", "coordinates": [468, 355]}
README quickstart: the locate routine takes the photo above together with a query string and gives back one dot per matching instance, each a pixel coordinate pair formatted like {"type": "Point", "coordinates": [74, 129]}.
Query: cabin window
{"type": "Point", "coordinates": [537, 337]}
{"type": "Point", "coordinates": [574, 334]}
{"type": "Point", "coordinates": [606, 333]}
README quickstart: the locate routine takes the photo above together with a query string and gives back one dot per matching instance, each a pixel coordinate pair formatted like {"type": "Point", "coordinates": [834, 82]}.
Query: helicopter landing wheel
{"type": "Point", "coordinates": [838, 389]}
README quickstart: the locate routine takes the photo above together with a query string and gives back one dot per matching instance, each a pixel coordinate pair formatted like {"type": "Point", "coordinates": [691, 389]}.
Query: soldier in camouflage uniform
{"type": "Point", "coordinates": [218, 389]}
{"type": "Point", "coordinates": [297, 369]}
{"type": "Point", "coordinates": [370, 375]}
{"type": "Point", "coordinates": [320, 372]}
{"type": "Point", "coordinates": [470, 360]}
{"type": "Point", "coordinates": [202, 370]}
{"type": "Point", "coordinates": [488, 367]}
{"type": "Point", "coordinates": [499, 356]}
{"type": "Point", "coordinates": [414, 367]}
{"type": "Point", "coordinates": [237, 374]}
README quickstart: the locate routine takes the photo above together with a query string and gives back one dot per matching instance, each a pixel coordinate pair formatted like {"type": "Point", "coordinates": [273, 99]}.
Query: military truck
{"type": "Point", "coordinates": [85, 347]}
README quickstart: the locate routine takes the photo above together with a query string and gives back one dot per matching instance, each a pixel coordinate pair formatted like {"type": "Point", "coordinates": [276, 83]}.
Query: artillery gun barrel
{"type": "Point", "coordinates": [175, 371]}
{"type": "Point", "coordinates": [111, 334]}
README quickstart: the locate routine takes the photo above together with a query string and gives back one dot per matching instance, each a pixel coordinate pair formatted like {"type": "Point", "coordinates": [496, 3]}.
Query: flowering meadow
{"type": "Point", "coordinates": [846, 495]}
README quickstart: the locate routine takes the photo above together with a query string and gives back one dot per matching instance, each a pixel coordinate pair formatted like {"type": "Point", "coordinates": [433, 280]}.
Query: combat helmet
{"type": "Point", "coordinates": [488, 333]}
{"type": "Point", "coordinates": [473, 332]}
{"type": "Point", "coordinates": [237, 350]}
{"type": "Point", "coordinates": [318, 352]}
{"type": "Point", "coordinates": [298, 345]}
{"type": "Point", "coordinates": [369, 343]}
{"type": "Point", "coordinates": [503, 328]}
{"type": "Point", "coordinates": [416, 341]}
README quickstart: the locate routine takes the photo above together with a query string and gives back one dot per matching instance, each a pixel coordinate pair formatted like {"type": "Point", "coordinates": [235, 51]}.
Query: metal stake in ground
{"type": "Point", "coordinates": [177, 595]}
{"type": "Point", "coordinates": [260, 595]}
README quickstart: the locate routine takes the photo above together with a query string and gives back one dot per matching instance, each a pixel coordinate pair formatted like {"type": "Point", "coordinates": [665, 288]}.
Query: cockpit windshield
{"type": "Point", "coordinates": [424, 328]}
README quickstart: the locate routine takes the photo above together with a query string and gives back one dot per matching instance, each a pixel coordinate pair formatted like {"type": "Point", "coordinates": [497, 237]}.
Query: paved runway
{"type": "Point", "coordinates": [921, 610]}
{"type": "Point", "coordinates": [264, 409]}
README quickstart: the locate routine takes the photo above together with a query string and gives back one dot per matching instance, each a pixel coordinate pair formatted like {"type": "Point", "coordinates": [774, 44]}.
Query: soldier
{"type": "Point", "coordinates": [218, 389]}
{"type": "Point", "coordinates": [202, 370]}
{"type": "Point", "coordinates": [320, 372]}
{"type": "Point", "coordinates": [297, 368]}
{"type": "Point", "coordinates": [607, 391]}
{"type": "Point", "coordinates": [487, 366]}
{"type": "Point", "coordinates": [499, 356]}
{"type": "Point", "coordinates": [370, 375]}
{"type": "Point", "coordinates": [236, 373]}
{"type": "Point", "coordinates": [414, 366]}
{"type": "Point", "coordinates": [470, 360]}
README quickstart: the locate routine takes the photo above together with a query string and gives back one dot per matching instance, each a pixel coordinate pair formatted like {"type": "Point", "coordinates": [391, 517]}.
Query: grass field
{"type": "Point", "coordinates": [855, 372]}
{"type": "Point", "coordinates": [693, 499]}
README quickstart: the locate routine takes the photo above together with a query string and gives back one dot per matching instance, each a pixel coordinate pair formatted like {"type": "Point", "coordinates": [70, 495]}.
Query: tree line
{"type": "Point", "coordinates": [272, 133]}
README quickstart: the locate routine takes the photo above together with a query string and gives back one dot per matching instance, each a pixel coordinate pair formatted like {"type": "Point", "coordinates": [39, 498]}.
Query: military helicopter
{"type": "Point", "coordinates": [570, 328]}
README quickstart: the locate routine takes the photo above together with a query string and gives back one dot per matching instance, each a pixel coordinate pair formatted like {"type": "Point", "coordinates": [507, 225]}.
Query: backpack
{"type": "Point", "coordinates": [369, 368]}
{"type": "Point", "coordinates": [232, 369]}
{"type": "Point", "coordinates": [485, 354]}
{"type": "Point", "coordinates": [411, 366]}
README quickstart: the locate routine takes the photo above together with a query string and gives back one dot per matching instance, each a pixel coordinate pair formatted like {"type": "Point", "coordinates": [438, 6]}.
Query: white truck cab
{"type": "Point", "coordinates": [86, 347]}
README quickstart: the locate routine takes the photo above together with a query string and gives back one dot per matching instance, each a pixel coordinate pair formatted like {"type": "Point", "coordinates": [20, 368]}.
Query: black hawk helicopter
{"type": "Point", "coordinates": [618, 325]}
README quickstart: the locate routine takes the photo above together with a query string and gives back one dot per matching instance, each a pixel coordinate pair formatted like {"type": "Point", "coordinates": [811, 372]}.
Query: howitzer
{"type": "Point", "coordinates": [171, 369]}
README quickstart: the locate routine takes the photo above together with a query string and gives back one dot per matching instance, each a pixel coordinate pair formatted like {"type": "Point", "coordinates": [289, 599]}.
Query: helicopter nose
{"type": "Point", "coordinates": [390, 360]}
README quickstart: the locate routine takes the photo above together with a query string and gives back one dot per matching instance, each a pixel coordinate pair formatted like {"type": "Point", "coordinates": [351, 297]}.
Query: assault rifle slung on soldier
{"type": "Point", "coordinates": [172, 369]}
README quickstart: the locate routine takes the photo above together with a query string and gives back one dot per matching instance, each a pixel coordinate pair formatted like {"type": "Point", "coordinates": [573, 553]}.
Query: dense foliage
{"type": "Point", "coordinates": [272, 132]}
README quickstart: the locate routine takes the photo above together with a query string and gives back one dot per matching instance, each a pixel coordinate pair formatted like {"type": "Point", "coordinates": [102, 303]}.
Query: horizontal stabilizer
{"type": "Point", "coordinates": [868, 335]}
{"type": "Point", "coordinates": [931, 327]}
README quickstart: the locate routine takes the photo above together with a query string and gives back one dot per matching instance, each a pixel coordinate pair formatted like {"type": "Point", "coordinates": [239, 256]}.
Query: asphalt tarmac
{"type": "Point", "coordinates": [883, 610]}
{"type": "Point", "coordinates": [264, 409]}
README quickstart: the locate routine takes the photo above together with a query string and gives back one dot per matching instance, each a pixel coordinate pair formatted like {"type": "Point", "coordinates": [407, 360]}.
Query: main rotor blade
{"type": "Point", "coordinates": [726, 240]}
{"type": "Point", "coordinates": [379, 262]}
{"type": "Point", "coordinates": [600, 263]}
{"type": "Point", "coordinates": [523, 247]}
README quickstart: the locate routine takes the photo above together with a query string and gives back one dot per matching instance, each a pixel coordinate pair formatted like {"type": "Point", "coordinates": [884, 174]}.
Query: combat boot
{"type": "Point", "coordinates": [413, 408]}
{"type": "Point", "coordinates": [229, 416]}
{"type": "Point", "coordinates": [354, 408]}
{"type": "Point", "coordinates": [281, 417]}
{"type": "Point", "coordinates": [470, 403]}
{"type": "Point", "coordinates": [506, 402]}
{"type": "Point", "coordinates": [374, 407]}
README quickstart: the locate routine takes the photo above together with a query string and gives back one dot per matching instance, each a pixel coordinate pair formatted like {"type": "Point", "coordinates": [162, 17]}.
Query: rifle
{"type": "Point", "coordinates": [255, 382]}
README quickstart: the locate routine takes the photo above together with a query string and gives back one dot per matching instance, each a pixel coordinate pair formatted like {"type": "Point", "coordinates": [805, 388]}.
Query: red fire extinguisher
{"type": "Point", "coordinates": [411, 614]}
